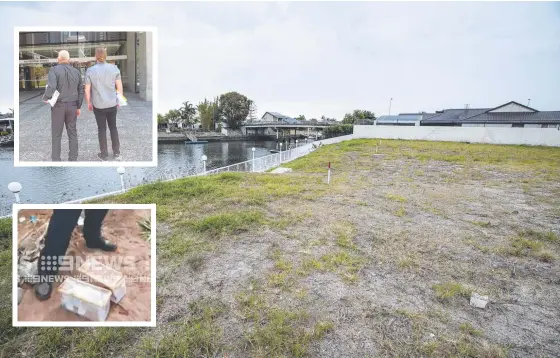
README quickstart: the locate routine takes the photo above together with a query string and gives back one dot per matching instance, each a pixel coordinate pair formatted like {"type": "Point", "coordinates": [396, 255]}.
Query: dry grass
{"type": "Point", "coordinates": [287, 266]}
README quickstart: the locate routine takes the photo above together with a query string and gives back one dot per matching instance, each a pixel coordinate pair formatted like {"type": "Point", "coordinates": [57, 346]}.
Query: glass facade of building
{"type": "Point", "coordinates": [38, 52]}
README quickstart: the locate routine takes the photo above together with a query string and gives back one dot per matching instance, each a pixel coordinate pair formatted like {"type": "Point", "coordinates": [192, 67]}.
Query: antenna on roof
{"type": "Point", "coordinates": [528, 102]}
{"type": "Point", "coordinates": [466, 109]}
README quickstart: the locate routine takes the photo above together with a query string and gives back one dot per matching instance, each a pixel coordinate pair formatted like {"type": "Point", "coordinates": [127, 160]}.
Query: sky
{"type": "Point", "coordinates": [330, 58]}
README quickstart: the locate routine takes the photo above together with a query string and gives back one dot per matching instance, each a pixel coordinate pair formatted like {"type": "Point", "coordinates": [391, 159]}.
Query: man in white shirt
{"type": "Point", "coordinates": [103, 83]}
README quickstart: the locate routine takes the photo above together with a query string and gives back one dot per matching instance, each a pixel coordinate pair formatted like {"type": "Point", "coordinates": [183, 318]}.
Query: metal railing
{"type": "Point", "coordinates": [257, 165]}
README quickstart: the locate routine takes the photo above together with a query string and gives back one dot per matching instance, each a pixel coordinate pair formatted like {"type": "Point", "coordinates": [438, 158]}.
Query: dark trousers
{"type": "Point", "coordinates": [61, 225]}
{"type": "Point", "coordinates": [107, 117]}
{"type": "Point", "coordinates": [64, 114]}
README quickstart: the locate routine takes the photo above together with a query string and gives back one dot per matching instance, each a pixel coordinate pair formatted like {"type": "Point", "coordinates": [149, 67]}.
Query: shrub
{"type": "Point", "coordinates": [338, 130]}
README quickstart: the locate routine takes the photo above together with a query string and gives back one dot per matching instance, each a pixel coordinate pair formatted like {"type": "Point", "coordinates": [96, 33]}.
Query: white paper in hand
{"type": "Point", "coordinates": [53, 99]}
{"type": "Point", "coordinates": [121, 100]}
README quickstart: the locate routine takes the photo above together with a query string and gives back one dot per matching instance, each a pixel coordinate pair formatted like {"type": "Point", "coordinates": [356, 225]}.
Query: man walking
{"type": "Point", "coordinates": [103, 83]}
{"type": "Point", "coordinates": [61, 225]}
{"type": "Point", "coordinates": [67, 81]}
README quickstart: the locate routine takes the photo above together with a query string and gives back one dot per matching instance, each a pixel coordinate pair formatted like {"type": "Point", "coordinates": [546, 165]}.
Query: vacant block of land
{"type": "Point", "coordinates": [380, 263]}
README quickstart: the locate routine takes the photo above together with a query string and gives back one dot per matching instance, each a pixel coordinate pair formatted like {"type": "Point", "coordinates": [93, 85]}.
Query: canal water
{"type": "Point", "coordinates": [57, 185]}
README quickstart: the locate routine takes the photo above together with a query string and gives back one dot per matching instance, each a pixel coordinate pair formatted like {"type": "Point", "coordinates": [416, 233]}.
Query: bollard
{"type": "Point", "coordinates": [204, 158]}
{"type": "Point", "coordinates": [329, 174]}
{"type": "Point", "coordinates": [253, 150]}
{"type": "Point", "coordinates": [15, 188]}
{"type": "Point", "coordinates": [280, 155]}
{"type": "Point", "coordinates": [297, 149]}
{"type": "Point", "coordinates": [121, 171]}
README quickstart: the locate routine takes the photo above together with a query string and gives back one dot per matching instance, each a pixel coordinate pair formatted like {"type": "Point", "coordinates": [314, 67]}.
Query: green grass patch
{"type": "Point", "coordinates": [346, 265]}
{"type": "Point", "coordinates": [409, 314]}
{"type": "Point", "coordinates": [467, 328]}
{"type": "Point", "coordinates": [73, 342]}
{"type": "Point", "coordinates": [478, 246]}
{"type": "Point", "coordinates": [544, 236]}
{"type": "Point", "coordinates": [274, 332]}
{"type": "Point", "coordinates": [101, 341]}
{"type": "Point", "coordinates": [447, 291]}
{"type": "Point", "coordinates": [178, 246]}
{"type": "Point", "coordinates": [521, 246]}
{"type": "Point", "coordinates": [7, 332]}
{"type": "Point", "coordinates": [415, 334]}
{"type": "Point", "coordinates": [400, 212]}
{"type": "Point", "coordinates": [409, 262]}
{"type": "Point", "coordinates": [532, 243]}
{"type": "Point", "coordinates": [251, 304]}
{"type": "Point", "coordinates": [229, 223]}
{"type": "Point", "coordinates": [344, 232]}
{"type": "Point", "coordinates": [198, 336]}
{"type": "Point", "coordinates": [283, 333]}
{"type": "Point", "coordinates": [281, 276]}
{"type": "Point", "coordinates": [396, 197]}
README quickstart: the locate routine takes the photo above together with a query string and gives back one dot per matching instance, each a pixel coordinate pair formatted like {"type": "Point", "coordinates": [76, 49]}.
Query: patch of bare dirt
{"type": "Point", "coordinates": [120, 227]}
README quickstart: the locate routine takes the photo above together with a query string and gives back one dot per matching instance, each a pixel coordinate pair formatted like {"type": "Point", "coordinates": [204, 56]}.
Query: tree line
{"type": "Point", "coordinates": [235, 108]}
{"type": "Point", "coordinates": [231, 107]}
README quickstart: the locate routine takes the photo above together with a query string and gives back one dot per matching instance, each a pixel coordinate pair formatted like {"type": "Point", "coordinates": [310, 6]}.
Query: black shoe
{"type": "Point", "coordinates": [43, 290]}
{"type": "Point", "coordinates": [102, 158]}
{"type": "Point", "coordinates": [102, 244]}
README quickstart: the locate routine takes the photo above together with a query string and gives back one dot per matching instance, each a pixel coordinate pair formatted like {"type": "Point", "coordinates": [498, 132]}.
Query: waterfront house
{"type": "Point", "coordinates": [511, 114]}
{"type": "Point", "coordinates": [277, 117]}
{"type": "Point", "coordinates": [400, 120]}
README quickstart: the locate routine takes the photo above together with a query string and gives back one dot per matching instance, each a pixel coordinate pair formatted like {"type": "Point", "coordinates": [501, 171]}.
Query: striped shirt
{"type": "Point", "coordinates": [102, 77]}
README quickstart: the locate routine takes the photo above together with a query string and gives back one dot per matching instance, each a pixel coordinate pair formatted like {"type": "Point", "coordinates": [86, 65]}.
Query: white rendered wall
{"type": "Point", "coordinates": [492, 135]}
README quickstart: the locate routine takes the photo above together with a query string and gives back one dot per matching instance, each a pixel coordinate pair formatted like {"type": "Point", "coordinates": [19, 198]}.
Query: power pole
{"type": "Point", "coordinates": [390, 102]}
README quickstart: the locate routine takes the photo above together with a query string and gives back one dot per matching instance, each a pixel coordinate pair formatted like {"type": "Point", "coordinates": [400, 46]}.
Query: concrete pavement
{"type": "Point", "coordinates": [134, 123]}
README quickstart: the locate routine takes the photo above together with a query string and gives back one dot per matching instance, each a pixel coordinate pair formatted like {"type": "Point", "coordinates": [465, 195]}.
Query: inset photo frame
{"type": "Point", "coordinates": [84, 265]}
{"type": "Point", "coordinates": [85, 96]}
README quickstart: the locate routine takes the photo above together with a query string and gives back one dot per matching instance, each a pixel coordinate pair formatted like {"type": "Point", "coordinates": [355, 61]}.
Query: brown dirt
{"type": "Point", "coordinates": [120, 227]}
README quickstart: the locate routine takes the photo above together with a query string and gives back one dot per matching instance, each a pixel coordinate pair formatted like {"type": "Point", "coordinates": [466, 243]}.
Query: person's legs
{"type": "Point", "coordinates": [112, 123]}
{"type": "Point", "coordinates": [57, 126]}
{"type": "Point", "coordinates": [101, 119]}
{"type": "Point", "coordinates": [92, 230]}
{"type": "Point", "coordinates": [71, 130]}
{"type": "Point", "coordinates": [92, 225]}
{"type": "Point", "coordinates": [61, 225]}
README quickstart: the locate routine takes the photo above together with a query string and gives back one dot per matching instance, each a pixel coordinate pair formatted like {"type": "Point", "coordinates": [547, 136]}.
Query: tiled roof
{"type": "Point", "coordinates": [448, 116]}
{"type": "Point", "coordinates": [551, 117]}
{"type": "Point", "coordinates": [482, 115]}
{"type": "Point", "coordinates": [280, 115]}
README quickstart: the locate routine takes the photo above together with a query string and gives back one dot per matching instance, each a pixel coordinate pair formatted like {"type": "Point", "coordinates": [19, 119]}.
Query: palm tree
{"type": "Point", "coordinates": [188, 111]}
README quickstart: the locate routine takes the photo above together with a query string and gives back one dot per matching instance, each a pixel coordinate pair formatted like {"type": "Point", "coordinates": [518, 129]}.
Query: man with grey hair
{"type": "Point", "coordinates": [103, 83]}
{"type": "Point", "coordinates": [67, 80]}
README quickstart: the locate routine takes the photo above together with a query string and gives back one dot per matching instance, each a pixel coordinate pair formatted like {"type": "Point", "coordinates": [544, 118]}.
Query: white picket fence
{"type": "Point", "coordinates": [257, 165]}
